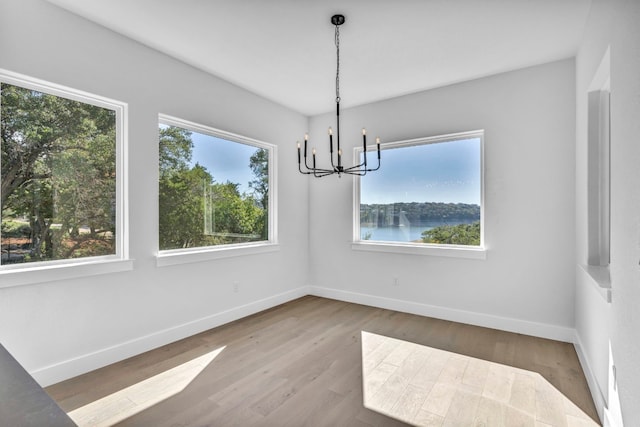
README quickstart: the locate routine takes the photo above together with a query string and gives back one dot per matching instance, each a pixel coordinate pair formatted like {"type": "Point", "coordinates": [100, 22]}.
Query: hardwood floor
{"type": "Point", "coordinates": [301, 364]}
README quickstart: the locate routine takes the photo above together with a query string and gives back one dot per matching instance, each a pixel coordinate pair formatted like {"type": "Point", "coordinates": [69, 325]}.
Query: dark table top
{"type": "Point", "coordinates": [23, 403]}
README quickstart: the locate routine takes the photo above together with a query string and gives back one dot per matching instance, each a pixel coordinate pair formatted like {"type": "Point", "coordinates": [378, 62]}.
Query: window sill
{"type": "Point", "coordinates": [182, 256]}
{"type": "Point", "coordinates": [601, 280]}
{"type": "Point", "coordinates": [429, 250]}
{"type": "Point", "coordinates": [51, 272]}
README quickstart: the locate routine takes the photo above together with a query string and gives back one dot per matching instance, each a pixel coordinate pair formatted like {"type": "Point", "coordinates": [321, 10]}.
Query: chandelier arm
{"type": "Point", "coordinates": [319, 173]}
{"type": "Point", "coordinates": [377, 167]}
{"type": "Point", "coordinates": [306, 172]}
{"type": "Point", "coordinates": [361, 168]}
{"type": "Point", "coordinates": [361, 165]}
{"type": "Point", "coordinates": [359, 172]}
{"type": "Point", "coordinates": [373, 170]}
{"type": "Point", "coordinates": [354, 168]}
{"type": "Point", "coordinates": [315, 170]}
{"type": "Point", "coordinates": [306, 165]}
{"type": "Point", "coordinates": [303, 172]}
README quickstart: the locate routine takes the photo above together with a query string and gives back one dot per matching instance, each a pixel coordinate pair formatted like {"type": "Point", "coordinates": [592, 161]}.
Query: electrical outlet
{"type": "Point", "coordinates": [236, 287]}
{"type": "Point", "coordinates": [396, 281]}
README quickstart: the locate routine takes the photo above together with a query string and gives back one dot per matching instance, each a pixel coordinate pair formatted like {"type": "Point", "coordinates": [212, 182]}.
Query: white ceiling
{"type": "Point", "coordinates": [284, 49]}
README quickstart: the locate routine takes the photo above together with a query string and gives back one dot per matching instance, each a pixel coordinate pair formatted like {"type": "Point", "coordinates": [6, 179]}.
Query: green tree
{"type": "Point", "coordinates": [259, 164]}
{"type": "Point", "coordinates": [175, 150]}
{"type": "Point", "coordinates": [235, 214]}
{"type": "Point", "coordinates": [90, 159]}
{"type": "Point", "coordinates": [181, 191]}
{"type": "Point", "coordinates": [182, 208]}
{"type": "Point", "coordinates": [58, 167]}
{"type": "Point", "coordinates": [461, 234]}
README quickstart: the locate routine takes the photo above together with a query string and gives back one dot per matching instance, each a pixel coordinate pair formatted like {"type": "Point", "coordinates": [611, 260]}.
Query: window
{"type": "Point", "coordinates": [215, 188]}
{"type": "Point", "coordinates": [599, 166]}
{"type": "Point", "coordinates": [428, 193]}
{"type": "Point", "coordinates": [62, 184]}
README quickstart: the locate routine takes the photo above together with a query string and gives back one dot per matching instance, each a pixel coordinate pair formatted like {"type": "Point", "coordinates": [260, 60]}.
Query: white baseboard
{"type": "Point", "coordinates": [596, 393]}
{"type": "Point", "coordinates": [87, 362]}
{"type": "Point", "coordinates": [558, 333]}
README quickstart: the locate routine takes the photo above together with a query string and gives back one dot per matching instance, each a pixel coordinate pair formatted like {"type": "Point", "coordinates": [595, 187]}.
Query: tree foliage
{"type": "Point", "coordinates": [58, 173]}
{"type": "Point", "coordinates": [461, 234]}
{"type": "Point", "coordinates": [235, 213]}
{"type": "Point", "coordinates": [259, 164]}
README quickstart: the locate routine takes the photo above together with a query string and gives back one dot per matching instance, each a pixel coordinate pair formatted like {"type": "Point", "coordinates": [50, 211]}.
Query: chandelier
{"type": "Point", "coordinates": [336, 165]}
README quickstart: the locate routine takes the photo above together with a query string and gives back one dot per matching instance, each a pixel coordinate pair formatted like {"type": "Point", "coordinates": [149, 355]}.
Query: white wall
{"type": "Point", "coordinates": [59, 329]}
{"type": "Point", "coordinates": [612, 23]}
{"type": "Point", "coordinates": [526, 283]}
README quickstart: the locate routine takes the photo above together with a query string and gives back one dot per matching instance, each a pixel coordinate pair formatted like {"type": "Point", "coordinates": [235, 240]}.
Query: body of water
{"type": "Point", "coordinates": [403, 234]}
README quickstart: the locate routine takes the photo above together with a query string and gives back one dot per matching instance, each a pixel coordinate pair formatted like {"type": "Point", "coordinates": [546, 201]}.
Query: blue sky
{"type": "Point", "coordinates": [225, 160]}
{"type": "Point", "coordinates": [446, 172]}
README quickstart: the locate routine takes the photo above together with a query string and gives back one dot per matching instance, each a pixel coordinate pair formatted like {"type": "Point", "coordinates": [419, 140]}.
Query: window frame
{"type": "Point", "coordinates": [204, 253]}
{"type": "Point", "coordinates": [598, 179]}
{"type": "Point", "coordinates": [599, 166]}
{"type": "Point", "coordinates": [45, 271]}
{"type": "Point", "coordinates": [430, 249]}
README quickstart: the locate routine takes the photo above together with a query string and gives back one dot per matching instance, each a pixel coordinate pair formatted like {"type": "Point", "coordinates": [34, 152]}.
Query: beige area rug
{"type": "Point", "coordinates": [425, 386]}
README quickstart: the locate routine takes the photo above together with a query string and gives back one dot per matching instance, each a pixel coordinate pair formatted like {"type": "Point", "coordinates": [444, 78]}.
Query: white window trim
{"type": "Point", "coordinates": [449, 251]}
{"type": "Point", "coordinates": [599, 178]}
{"type": "Point", "coordinates": [454, 251]}
{"type": "Point", "coordinates": [47, 271]}
{"type": "Point", "coordinates": [598, 98]}
{"type": "Point", "coordinates": [206, 253]}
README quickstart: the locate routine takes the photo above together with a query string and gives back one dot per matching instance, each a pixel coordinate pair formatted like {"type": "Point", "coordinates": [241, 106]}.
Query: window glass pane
{"type": "Point", "coordinates": [58, 177]}
{"type": "Point", "coordinates": [424, 193]}
{"type": "Point", "coordinates": [213, 191]}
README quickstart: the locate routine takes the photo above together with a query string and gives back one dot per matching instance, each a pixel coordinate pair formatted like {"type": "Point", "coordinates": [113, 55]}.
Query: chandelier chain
{"type": "Point", "coordinates": [337, 41]}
